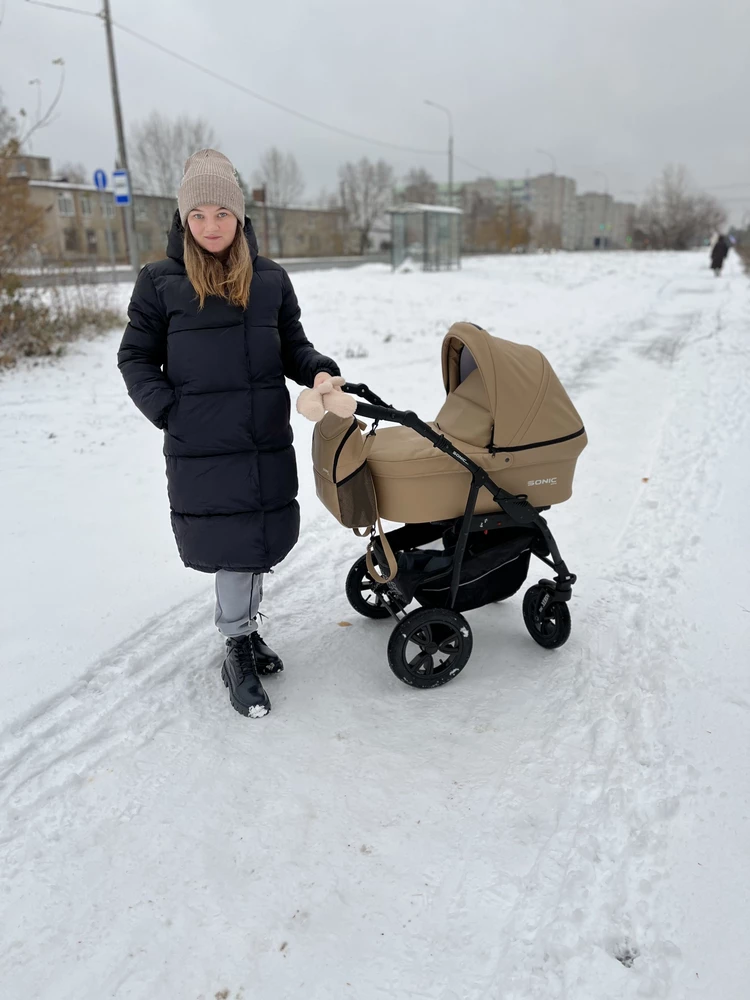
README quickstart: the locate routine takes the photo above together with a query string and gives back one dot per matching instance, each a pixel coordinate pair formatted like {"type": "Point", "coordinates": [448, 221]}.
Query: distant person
{"type": "Point", "coordinates": [719, 251]}
{"type": "Point", "coordinates": [214, 330]}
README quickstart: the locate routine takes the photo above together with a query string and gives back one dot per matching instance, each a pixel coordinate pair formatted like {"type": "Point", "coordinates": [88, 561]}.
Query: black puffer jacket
{"type": "Point", "coordinates": [719, 251]}
{"type": "Point", "coordinates": [214, 381]}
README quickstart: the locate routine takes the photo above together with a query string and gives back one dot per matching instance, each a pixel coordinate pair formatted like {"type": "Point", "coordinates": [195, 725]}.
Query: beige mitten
{"type": "Point", "coordinates": [325, 395]}
{"type": "Point", "coordinates": [340, 403]}
{"type": "Point", "coordinates": [310, 404]}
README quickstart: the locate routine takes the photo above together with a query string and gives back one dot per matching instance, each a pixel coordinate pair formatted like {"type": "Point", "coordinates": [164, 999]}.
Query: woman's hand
{"type": "Point", "coordinates": [326, 394]}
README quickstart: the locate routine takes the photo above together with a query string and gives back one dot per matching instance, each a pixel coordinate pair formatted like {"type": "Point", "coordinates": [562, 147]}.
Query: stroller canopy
{"type": "Point", "coordinates": [509, 395]}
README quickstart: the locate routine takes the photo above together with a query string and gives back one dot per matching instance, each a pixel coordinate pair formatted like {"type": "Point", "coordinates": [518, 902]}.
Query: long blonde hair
{"type": "Point", "coordinates": [209, 276]}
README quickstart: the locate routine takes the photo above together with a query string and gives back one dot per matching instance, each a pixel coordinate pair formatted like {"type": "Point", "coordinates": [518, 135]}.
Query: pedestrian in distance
{"type": "Point", "coordinates": [214, 330]}
{"type": "Point", "coordinates": [719, 251]}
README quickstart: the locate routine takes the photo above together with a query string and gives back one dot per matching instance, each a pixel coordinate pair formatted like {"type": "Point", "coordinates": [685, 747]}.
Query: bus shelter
{"type": "Point", "coordinates": [429, 235]}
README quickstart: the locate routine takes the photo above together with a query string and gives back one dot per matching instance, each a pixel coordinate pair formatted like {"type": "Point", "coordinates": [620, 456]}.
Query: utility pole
{"type": "Point", "coordinates": [450, 168]}
{"type": "Point", "coordinates": [442, 107]}
{"type": "Point", "coordinates": [122, 157]}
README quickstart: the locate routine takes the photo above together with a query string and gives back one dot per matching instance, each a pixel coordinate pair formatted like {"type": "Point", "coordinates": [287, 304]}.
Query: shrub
{"type": "Point", "coordinates": [38, 323]}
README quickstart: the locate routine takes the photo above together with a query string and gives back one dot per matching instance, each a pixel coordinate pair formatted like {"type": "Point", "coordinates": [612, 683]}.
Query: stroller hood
{"type": "Point", "coordinates": [508, 393]}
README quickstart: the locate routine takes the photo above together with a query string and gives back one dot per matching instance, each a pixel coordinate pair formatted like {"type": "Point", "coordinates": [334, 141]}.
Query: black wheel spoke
{"type": "Point", "coordinates": [423, 635]}
{"type": "Point", "coordinates": [449, 645]}
{"type": "Point", "coordinates": [422, 664]}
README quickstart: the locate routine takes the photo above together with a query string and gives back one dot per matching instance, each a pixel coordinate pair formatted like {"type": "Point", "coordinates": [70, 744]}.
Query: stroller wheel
{"type": "Point", "coordinates": [363, 593]}
{"type": "Point", "coordinates": [548, 621]}
{"type": "Point", "coordinates": [429, 647]}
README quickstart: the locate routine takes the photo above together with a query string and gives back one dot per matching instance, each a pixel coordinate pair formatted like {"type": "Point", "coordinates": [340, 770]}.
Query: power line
{"type": "Point", "coordinates": [274, 104]}
{"type": "Point", "coordinates": [726, 187]}
{"type": "Point", "coordinates": [69, 10]}
{"type": "Point", "coordinates": [482, 170]}
{"type": "Point", "coordinates": [243, 89]}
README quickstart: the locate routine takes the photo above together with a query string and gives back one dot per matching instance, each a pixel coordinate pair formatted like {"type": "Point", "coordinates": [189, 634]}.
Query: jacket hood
{"type": "Point", "coordinates": [176, 239]}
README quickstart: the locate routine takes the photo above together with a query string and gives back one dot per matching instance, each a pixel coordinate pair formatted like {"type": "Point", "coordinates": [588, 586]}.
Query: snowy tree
{"type": "Point", "coordinates": [159, 147]}
{"type": "Point", "coordinates": [366, 191]}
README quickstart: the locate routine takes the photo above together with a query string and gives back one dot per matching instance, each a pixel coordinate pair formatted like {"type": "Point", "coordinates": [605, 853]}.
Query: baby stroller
{"type": "Point", "coordinates": [502, 450]}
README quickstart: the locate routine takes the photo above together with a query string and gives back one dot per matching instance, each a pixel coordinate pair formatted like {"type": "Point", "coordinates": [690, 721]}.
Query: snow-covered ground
{"type": "Point", "coordinates": [569, 824]}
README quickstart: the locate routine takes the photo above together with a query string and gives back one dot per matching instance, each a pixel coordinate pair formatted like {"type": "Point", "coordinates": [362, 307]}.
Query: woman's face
{"type": "Point", "coordinates": [213, 227]}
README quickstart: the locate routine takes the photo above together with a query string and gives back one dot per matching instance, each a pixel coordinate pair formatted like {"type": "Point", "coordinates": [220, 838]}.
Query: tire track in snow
{"type": "Point", "coordinates": [608, 841]}
{"type": "Point", "coordinates": [135, 689]}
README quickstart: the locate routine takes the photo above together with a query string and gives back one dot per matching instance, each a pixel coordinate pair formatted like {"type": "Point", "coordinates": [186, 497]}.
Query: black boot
{"type": "Point", "coordinates": [240, 675]}
{"type": "Point", "coordinates": [266, 660]}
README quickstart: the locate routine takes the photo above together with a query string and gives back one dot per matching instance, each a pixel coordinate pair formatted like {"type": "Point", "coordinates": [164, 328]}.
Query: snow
{"type": "Point", "coordinates": [564, 824]}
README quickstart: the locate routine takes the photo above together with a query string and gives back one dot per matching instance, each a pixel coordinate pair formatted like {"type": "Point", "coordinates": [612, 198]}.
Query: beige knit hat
{"type": "Point", "coordinates": [209, 179]}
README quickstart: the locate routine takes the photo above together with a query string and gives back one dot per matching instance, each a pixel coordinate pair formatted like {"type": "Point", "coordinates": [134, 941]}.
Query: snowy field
{"type": "Point", "coordinates": [568, 824]}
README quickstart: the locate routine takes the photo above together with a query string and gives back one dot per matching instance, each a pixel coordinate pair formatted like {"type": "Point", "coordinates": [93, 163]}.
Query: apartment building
{"type": "Point", "coordinates": [554, 212]}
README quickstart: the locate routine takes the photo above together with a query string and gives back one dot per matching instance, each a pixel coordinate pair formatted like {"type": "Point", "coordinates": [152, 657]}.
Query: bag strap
{"type": "Point", "coordinates": [364, 532]}
{"type": "Point", "coordinates": [390, 557]}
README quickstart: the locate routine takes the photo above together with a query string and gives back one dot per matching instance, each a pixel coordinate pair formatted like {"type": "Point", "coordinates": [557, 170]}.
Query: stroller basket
{"type": "Point", "coordinates": [494, 568]}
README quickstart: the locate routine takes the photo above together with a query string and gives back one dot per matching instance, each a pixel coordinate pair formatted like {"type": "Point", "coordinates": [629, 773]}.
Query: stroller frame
{"type": "Point", "coordinates": [514, 509]}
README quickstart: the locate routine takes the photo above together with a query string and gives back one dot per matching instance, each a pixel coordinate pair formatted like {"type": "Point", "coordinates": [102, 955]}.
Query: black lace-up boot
{"type": "Point", "coordinates": [240, 675]}
{"type": "Point", "coordinates": [266, 660]}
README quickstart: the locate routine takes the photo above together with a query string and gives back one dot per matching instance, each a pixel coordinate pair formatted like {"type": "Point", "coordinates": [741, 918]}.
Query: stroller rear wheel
{"type": "Point", "coordinates": [364, 594]}
{"type": "Point", "coordinates": [548, 621]}
{"type": "Point", "coordinates": [429, 647]}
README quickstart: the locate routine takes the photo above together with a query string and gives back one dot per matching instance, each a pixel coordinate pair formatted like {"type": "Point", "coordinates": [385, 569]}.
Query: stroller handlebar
{"type": "Point", "coordinates": [377, 409]}
{"type": "Point", "coordinates": [360, 389]}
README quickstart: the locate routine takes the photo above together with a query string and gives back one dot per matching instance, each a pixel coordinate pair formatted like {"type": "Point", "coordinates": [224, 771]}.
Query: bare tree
{"type": "Point", "coordinates": [420, 186]}
{"type": "Point", "coordinates": [159, 147]}
{"type": "Point", "coordinates": [25, 125]}
{"type": "Point", "coordinates": [20, 221]}
{"type": "Point", "coordinates": [366, 190]}
{"type": "Point", "coordinates": [280, 175]}
{"type": "Point", "coordinates": [246, 192]}
{"type": "Point", "coordinates": [329, 201]}
{"type": "Point", "coordinates": [75, 173]}
{"type": "Point", "coordinates": [8, 124]}
{"type": "Point", "coordinates": [674, 217]}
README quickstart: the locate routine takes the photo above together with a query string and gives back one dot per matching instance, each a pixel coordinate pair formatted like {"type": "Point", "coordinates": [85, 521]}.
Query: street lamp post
{"type": "Point", "coordinates": [604, 238]}
{"type": "Point", "coordinates": [544, 152]}
{"type": "Point", "coordinates": [606, 180]}
{"type": "Point", "coordinates": [442, 107]}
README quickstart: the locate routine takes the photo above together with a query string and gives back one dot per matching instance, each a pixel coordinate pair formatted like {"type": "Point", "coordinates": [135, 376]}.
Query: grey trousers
{"type": "Point", "coordinates": [238, 597]}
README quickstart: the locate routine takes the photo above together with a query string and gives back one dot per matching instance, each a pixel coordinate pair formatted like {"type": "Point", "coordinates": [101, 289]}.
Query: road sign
{"type": "Point", "coordinates": [100, 179]}
{"type": "Point", "coordinates": [121, 187]}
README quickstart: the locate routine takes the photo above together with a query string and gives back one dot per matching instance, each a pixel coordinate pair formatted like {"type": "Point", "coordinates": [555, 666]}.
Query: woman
{"type": "Point", "coordinates": [214, 330]}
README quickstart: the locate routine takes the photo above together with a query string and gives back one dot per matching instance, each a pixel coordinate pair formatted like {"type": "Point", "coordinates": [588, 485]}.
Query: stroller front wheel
{"type": "Point", "coordinates": [429, 647]}
{"type": "Point", "coordinates": [548, 621]}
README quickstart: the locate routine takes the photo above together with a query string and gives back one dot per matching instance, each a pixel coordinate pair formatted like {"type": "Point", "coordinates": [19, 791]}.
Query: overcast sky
{"type": "Point", "coordinates": [620, 86]}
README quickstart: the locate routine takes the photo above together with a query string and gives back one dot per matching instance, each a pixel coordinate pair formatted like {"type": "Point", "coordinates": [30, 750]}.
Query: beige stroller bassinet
{"type": "Point", "coordinates": [502, 449]}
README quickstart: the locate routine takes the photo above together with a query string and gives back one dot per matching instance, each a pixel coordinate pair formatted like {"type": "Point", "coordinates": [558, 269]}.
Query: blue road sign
{"type": "Point", "coordinates": [100, 179]}
{"type": "Point", "coordinates": [121, 187]}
